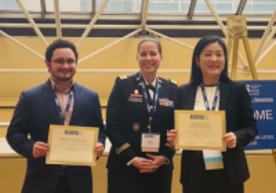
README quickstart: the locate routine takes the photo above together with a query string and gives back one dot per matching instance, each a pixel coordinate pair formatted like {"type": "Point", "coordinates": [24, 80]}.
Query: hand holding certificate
{"type": "Point", "coordinates": [200, 130]}
{"type": "Point", "coordinates": [71, 145]}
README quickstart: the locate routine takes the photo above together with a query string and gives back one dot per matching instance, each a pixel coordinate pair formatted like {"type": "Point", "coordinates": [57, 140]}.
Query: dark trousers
{"type": "Point", "coordinates": [212, 187]}
{"type": "Point", "coordinates": [63, 185]}
{"type": "Point", "coordinates": [208, 181]}
{"type": "Point", "coordinates": [131, 181]}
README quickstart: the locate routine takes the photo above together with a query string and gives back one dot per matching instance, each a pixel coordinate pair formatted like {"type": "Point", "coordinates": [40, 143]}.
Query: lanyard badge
{"type": "Point", "coordinates": [151, 109]}
{"type": "Point", "coordinates": [150, 142]}
{"type": "Point", "coordinates": [212, 158]}
{"type": "Point", "coordinates": [206, 100]}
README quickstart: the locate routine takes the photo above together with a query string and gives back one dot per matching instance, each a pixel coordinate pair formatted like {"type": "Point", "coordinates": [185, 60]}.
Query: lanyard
{"type": "Point", "coordinates": [63, 116]}
{"type": "Point", "coordinates": [151, 109]}
{"type": "Point", "coordinates": [206, 100]}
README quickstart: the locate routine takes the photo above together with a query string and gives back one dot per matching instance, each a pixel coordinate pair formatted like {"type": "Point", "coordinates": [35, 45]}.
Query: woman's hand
{"type": "Point", "coordinates": [171, 136]}
{"type": "Point", "coordinates": [144, 165]}
{"type": "Point", "coordinates": [230, 139]}
{"type": "Point", "coordinates": [156, 162]}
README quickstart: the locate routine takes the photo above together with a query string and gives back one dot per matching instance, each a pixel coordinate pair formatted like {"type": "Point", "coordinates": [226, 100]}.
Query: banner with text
{"type": "Point", "coordinates": [263, 98]}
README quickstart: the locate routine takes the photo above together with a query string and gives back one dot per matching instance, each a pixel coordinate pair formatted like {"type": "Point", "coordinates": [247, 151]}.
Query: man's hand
{"type": "Point", "coordinates": [40, 149]}
{"type": "Point", "coordinates": [99, 149]}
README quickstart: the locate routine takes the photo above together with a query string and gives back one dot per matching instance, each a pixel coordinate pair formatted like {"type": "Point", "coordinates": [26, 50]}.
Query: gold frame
{"type": "Point", "coordinates": [78, 128]}
{"type": "Point", "coordinates": [209, 113]}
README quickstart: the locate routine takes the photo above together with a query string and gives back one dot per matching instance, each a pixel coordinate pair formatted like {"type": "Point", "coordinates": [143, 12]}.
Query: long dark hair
{"type": "Point", "coordinates": [196, 74]}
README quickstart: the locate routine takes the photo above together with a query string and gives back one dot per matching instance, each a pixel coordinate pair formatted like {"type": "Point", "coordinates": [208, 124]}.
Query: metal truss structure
{"type": "Point", "coordinates": [143, 23]}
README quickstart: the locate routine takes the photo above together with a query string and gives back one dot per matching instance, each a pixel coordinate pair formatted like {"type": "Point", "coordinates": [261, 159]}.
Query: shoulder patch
{"type": "Point", "coordinates": [173, 81]}
{"type": "Point", "coordinates": [122, 77]}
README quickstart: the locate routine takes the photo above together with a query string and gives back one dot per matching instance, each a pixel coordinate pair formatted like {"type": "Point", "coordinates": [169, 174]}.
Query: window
{"type": "Point", "coordinates": [11, 5]}
{"type": "Point", "coordinates": [86, 6]}
{"type": "Point", "coordinates": [155, 6]}
{"type": "Point", "coordinates": [260, 6]}
{"type": "Point", "coordinates": [70, 5]}
{"type": "Point", "coordinates": [120, 6]}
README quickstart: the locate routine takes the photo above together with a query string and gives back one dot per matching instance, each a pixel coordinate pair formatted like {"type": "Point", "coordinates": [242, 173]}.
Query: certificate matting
{"type": "Point", "coordinates": [72, 145]}
{"type": "Point", "coordinates": [200, 130]}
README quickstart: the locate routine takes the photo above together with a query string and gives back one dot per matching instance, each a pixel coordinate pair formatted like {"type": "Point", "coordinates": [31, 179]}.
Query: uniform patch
{"type": "Point", "coordinates": [173, 81]}
{"type": "Point", "coordinates": [166, 102]}
{"type": "Point", "coordinates": [122, 77]}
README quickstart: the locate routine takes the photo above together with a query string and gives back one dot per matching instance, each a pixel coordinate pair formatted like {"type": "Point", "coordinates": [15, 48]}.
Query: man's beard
{"type": "Point", "coordinates": [63, 79]}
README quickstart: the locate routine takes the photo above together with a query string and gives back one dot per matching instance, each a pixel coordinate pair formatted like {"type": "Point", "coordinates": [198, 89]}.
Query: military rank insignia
{"type": "Point", "coordinates": [136, 126]}
{"type": "Point", "coordinates": [166, 102]}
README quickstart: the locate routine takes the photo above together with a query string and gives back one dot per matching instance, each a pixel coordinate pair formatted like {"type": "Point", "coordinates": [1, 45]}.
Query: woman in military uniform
{"type": "Point", "coordinates": [140, 112]}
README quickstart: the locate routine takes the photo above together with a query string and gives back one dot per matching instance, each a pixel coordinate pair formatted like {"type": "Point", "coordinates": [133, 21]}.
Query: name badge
{"type": "Point", "coordinates": [150, 142]}
{"type": "Point", "coordinates": [213, 160]}
{"type": "Point", "coordinates": [137, 98]}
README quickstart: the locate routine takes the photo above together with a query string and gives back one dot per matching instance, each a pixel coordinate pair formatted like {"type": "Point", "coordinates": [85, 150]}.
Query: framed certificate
{"type": "Point", "coordinates": [200, 130]}
{"type": "Point", "coordinates": [72, 145]}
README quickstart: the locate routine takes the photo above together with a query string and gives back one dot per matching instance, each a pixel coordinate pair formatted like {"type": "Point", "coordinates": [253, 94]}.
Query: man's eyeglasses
{"type": "Point", "coordinates": [62, 61]}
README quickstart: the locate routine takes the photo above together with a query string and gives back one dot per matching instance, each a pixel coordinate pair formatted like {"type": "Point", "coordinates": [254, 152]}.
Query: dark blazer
{"type": "Point", "coordinates": [236, 102]}
{"type": "Point", "coordinates": [35, 111]}
{"type": "Point", "coordinates": [128, 119]}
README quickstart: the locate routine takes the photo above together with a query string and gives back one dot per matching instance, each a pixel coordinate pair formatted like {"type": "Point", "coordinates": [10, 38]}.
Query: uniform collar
{"type": "Point", "coordinates": [153, 82]}
{"type": "Point", "coordinates": [139, 81]}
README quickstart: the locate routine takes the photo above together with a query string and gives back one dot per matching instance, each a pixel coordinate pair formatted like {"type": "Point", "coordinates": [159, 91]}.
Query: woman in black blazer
{"type": "Point", "coordinates": [211, 89]}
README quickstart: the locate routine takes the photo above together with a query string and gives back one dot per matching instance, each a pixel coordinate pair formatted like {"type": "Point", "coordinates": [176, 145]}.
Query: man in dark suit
{"type": "Point", "coordinates": [58, 101]}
